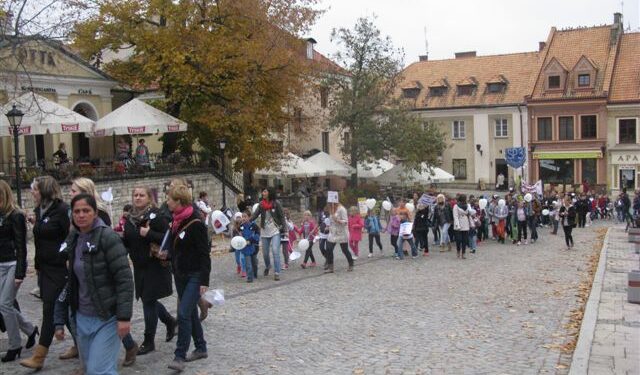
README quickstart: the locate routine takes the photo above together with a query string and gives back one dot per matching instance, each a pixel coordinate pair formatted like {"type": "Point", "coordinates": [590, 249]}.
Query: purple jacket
{"type": "Point", "coordinates": [393, 227]}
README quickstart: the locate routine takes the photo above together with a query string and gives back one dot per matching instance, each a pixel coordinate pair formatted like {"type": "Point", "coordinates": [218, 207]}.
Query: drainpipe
{"type": "Point", "coordinates": [521, 141]}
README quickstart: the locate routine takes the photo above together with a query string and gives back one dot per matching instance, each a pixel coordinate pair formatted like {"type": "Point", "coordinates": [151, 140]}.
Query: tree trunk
{"type": "Point", "coordinates": [353, 159]}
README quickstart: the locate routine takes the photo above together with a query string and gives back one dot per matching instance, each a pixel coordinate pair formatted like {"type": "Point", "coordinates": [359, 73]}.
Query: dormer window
{"type": "Point", "coordinates": [437, 91]}
{"type": "Point", "coordinates": [465, 90]}
{"type": "Point", "coordinates": [554, 82]}
{"type": "Point", "coordinates": [584, 80]}
{"type": "Point", "coordinates": [410, 93]}
{"type": "Point", "coordinates": [495, 88]}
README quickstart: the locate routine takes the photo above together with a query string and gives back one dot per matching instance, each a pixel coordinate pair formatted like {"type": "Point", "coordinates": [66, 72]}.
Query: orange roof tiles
{"type": "Point", "coordinates": [519, 70]}
{"type": "Point", "coordinates": [625, 85]}
{"type": "Point", "coordinates": [568, 47]}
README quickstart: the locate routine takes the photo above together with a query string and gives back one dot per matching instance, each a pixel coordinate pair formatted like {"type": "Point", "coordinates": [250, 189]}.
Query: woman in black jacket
{"type": "Point", "coordinates": [421, 224]}
{"type": "Point", "coordinates": [13, 266]}
{"type": "Point", "coordinates": [145, 226]}
{"type": "Point", "coordinates": [567, 215]}
{"type": "Point", "coordinates": [190, 258]}
{"type": "Point", "coordinates": [50, 228]}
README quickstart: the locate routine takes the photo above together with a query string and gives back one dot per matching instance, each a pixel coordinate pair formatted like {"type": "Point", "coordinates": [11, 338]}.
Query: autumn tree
{"type": "Point", "coordinates": [367, 106]}
{"type": "Point", "coordinates": [227, 67]}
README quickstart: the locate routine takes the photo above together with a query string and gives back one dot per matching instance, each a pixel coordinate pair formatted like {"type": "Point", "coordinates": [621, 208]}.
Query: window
{"type": "Point", "coordinates": [545, 129]}
{"type": "Point", "coordinates": [627, 131]}
{"type": "Point", "coordinates": [460, 169]}
{"type": "Point", "coordinates": [556, 171]}
{"type": "Point", "coordinates": [458, 129]}
{"type": "Point", "coordinates": [437, 91]}
{"type": "Point", "coordinates": [589, 170]}
{"type": "Point", "coordinates": [346, 138]}
{"type": "Point", "coordinates": [325, 142]}
{"type": "Point", "coordinates": [565, 124]}
{"type": "Point", "coordinates": [554, 82]}
{"type": "Point", "coordinates": [411, 93]}
{"type": "Point", "coordinates": [501, 128]}
{"type": "Point", "coordinates": [588, 127]}
{"type": "Point", "coordinates": [297, 119]}
{"type": "Point", "coordinates": [465, 90]}
{"type": "Point", "coordinates": [324, 97]}
{"type": "Point", "coordinates": [584, 80]}
{"type": "Point", "coordinates": [494, 88]}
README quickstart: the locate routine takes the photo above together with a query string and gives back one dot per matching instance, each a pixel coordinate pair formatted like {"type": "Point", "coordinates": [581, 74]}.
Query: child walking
{"type": "Point", "coordinates": [250, 231]}
{"type": "Point", "coordinates": [355, 230]}
{"type": "Point", "coordinates": [307, 230]}
{"type": "Point", "coordinates": [408, 236]}
{"type": "Point", "coordinates": [287, 239]}
{"type": "Point", "coordinates": [521, 215]}
{"type": "Point", "coordinates": [393, 228]}
{"type": "Point", "coordinates": [241, 269]}
{"type": "Point", "coordinates": [372, 224]}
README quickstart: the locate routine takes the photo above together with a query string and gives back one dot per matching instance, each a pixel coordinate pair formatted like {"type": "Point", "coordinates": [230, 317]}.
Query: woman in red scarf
{"type": "Point", "coordinates": [272, 225]}
{"type": "Point", "coordinates": [189, 248]}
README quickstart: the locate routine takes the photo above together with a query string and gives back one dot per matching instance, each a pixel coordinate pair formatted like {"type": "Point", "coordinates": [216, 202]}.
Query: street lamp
{"type": "Point", "coordinates": [15, 120]}
{"type": "Point", "coordinates": [223, 144]}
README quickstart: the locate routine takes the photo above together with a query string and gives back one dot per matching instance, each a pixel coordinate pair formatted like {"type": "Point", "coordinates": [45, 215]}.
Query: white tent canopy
{"type": "Point", "coordinates": [373, 169]}
{"type": "Point", "coordinates": [292, 166]}
{"type": "Point", "coordinates": [330, 165]}
{"type": "Point", "coordinates": [138, 117]}
{"type": "Point", "coordinates": [42, 116]}
{"type": "Point", "coordinates": [401, 176]}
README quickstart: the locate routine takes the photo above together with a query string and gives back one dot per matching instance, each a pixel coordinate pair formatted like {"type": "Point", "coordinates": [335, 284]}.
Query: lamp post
{"type": "Point", "coordinates": [223, 144]}
{"type": "Point", "coordinates": [15, 120]}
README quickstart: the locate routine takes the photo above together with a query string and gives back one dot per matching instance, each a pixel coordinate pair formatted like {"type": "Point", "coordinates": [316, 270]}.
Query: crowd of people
{"type": "Point", "coordinates": [86, 284]}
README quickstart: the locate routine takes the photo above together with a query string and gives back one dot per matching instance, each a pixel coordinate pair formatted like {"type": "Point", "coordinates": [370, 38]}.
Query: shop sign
{"type": "Point", "coordinates": [568, 155]}
{"type": "Point", "coordinates": [136, 129]}
{"type": "Point", "coordinates": [626, 159]}
{"type": "Point", "coordinates": [627, 167]}
{"type": "Point", "coordinates": [70, 127]}
{"type": "Point", "coordinates": [84, 91]}
{"type": "Point", "coordinates": [38, 89]}
{"type": "Point", "coordinates": [23, 130]}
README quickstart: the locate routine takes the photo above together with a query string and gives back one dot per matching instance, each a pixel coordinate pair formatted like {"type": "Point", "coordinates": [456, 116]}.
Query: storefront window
{"type": "Point", "coordinates": [628, 179]}
{"type": "Point", "coordinates": [589, 171]}
{"type": "Point", "coordinates": [556, 171]}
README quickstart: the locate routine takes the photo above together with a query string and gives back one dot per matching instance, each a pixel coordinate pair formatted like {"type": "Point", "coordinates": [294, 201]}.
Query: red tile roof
{"type": "Point", "coordinates": [625, 85]}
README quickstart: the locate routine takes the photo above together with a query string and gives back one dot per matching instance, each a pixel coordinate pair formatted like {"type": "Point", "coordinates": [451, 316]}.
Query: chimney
{"type": "Point", "coordinates": [617, 18]}
{"type": "Point", "coordinates": [310, 43]}
{"type": "Point", "coordinates": [423, 57]}
{"type": "Point", "coordinates": [616, 28]}
{"type": "Point", "coordinates": [541, 45]}
{"type": "Point", "coordinates": [463, 55]}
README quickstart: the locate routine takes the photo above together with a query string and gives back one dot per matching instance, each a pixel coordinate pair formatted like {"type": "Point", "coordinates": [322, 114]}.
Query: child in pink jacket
{"type": "Point", "coordinates": [356, 223]}
{"type": "Point", "coordinates": [308, 230]}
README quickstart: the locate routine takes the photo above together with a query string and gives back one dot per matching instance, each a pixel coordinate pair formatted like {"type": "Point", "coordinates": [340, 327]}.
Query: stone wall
{"type": "Point", "coordinates": [122, 190]}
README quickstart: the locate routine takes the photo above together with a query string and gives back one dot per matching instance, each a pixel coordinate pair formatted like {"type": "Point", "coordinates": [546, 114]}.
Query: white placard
{"type": "Point", "coordinates": [405, 228]}
{"type": "Point", "coordinates": [332, 197]}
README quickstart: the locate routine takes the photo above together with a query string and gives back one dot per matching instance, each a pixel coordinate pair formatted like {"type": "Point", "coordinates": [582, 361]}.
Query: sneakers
{"type": "Point", "coordinates": [286, 266]}
{"type": "Point", "coordinates": [243, 274]}
{"type": "Point", "coordinates": [425, 254]}
{"type": "Point", "coordinates": [238, 269]}
{"type": "Point", "coordinates": [370, 255]}
{"type": "Point", "coordinates": [519, 243]}
{"type": "Point", "coordinates": [527, 242]}
{"type": "Point", "coordinates": [276, 277]}
{"type": "Point", "coordinates": [354, 257]}
{"type": "Point", "coordinates": [177, 365]}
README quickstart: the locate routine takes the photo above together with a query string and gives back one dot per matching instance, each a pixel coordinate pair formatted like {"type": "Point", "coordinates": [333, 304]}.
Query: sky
{"type": "Point", "coordinates": [486, 26]}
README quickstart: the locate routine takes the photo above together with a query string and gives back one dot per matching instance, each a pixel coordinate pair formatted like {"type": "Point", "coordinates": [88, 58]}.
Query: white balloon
{"type": "Point", "coordinates": [294, 255]}
{"type": "Point", "coordinates": [501, 202]}
{"type": "Point", "coordinates": [482, 203]}
{"type": "Point", "coordinates": [303, 245]}
{"type": "Point", "coordinates": [238, 242]}
{"type": "Point", "coordinates": [528, 197]}
{"type": "Point", "coordinates": [545, 212]}
{"type": "Point", "coordinates": [255, 207]}
{"type": "Point", "coordinates": [410, 207]}
{"type": "Point", "coordinates": [371, 203]}
{"type": "Point", "coordinates": [472, 211]}
{"type": "Point", "coordinates": [107, 196]}
{"type": "Point", "coordinates": [387, 205]}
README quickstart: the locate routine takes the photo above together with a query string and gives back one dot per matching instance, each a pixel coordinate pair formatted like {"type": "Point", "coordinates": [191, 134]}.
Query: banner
{"type": "Point", "coordinates": [406, 228]}
{"type": "Point", "coordinates": [427, 200]}
{"type": "Point", "coordinates": [332, 197]}
{"type": "Point", "coordinates": [535, 188]}
{"type": "Point", "coordinates": [515, 156]}
{"type": "Point", "coordinates": [362, 206]}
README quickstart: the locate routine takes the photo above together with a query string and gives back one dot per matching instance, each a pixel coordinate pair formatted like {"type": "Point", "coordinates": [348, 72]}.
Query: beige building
{"type": "Point", "coordinates": [623, 117]}
{"type": "Point", "coordinates": [478, 102]}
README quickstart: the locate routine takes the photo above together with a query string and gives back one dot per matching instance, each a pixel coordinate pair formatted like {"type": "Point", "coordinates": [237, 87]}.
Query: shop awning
{"type": "Point", "coordinates": [580, 154]}
{"type": "Point", "coordinates": [138, 117]}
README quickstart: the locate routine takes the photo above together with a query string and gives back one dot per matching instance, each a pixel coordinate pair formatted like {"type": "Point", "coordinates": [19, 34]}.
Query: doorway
{"type": "Point", "coordinates": [627, 179]}
{"type": "Point", "coordinates": [502, 168]}
{"type": "Point", "coordinates": [82, 150]}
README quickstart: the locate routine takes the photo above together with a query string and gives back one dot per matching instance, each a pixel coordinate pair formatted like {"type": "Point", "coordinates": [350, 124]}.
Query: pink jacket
{"type": "Point", "coordinates": [355, 227]}
{"type": "Point", "coordinates": [312, 230]}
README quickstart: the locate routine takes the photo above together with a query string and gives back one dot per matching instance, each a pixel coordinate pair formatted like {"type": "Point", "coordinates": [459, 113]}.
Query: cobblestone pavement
{"type": "Point", "coordinates": [501, 311]}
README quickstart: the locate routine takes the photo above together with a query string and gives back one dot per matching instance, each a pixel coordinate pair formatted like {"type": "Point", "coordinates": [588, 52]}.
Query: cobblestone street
{"type": "Point", "coordinates": [501, 311]}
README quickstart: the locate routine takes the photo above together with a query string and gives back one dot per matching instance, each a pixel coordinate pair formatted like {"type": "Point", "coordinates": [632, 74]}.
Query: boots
{"type": "Point", "coordinates": [171, 329]}
{"type": "Point", "coordinates": [72, 352]}
{"type": "Point", "coordinates": [130, 356]}
{"type": "Point", "coordinates": [37, 359]}
{"type": "Point", "coordinates": [148, 345]}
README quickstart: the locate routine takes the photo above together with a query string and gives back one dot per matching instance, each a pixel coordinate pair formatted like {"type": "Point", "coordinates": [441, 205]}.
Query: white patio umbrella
{"type": "Point", "coordinates": [330, 165]}
{"type": "Point", "coordinates": [138, 117]}
{"type": "Point", "coordinates": [402, 176]}
{"type": "Point", "coordinates": [373, 169]}
{"type": "Point", "coordinates": [42, 116]}
{"type": "Point", "coordinates": [290, 165]}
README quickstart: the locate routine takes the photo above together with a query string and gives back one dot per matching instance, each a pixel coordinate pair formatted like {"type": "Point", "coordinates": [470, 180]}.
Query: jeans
{"type": "Point", "coordinates": [248, 261]}
{"type": "Point", "coordinates": [323, 247]}
{"type": "Point", "coordinates": [98, 344]}
{"type": "Point", "coordinates": [376, 237]}
{"type": "Point", "coordinates": [188, 288]}
{"type": "Point", "coordinates": [345, 250]}
{"type": "Point", "coordinates": [436, 235]}
{"type": "Point", "coordinates": [240, 260]}
{"type": "Point", "coordinates": [462, 239]}
{"type": "Point", "coordinates": [271, 245]}
{"type": "Point", "coordinates": [412, 244]}
{"type": "Point", "coordinates": [13, 319]}
{"type": "Point", "coordinates": [568, 238]}
{"type": "Point", "coordinates": [533, 227]}
{"type": "Point", "coordinates": [444, 234]}
{"type": "Point", "coordinates": [473, 239]}
{"type": "Point", "coordinates": [422, 240]}
{"type": "Point", "coordinates": [308, 254]}
{"type": "Point", "coordinates": [154, 310]}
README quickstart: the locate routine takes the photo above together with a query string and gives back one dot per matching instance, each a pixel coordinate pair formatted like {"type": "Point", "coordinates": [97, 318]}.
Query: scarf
{"type": "Point", "coordinates": [137, 215]}
{"type": "Point", "coordinates": [180, 216]}
{"type": "Point", "coordinates": [266, 205]}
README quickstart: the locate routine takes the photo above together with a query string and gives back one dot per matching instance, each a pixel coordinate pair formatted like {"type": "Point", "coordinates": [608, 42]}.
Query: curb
{"type": "Point", "coordinates": [580, 360]}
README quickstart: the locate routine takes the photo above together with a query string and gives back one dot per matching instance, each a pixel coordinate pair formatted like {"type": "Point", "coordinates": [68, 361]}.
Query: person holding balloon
{"type": "Point", "coordinates": [500, 212]}
{"type": "Point", "coordinates": [246, 241]}
{"type": "Point", "coordinates": [307, 230]}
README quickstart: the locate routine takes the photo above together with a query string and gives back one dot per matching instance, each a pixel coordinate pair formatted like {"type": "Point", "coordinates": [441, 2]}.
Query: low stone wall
{"type": "Point", "coordinates": [123, 189]}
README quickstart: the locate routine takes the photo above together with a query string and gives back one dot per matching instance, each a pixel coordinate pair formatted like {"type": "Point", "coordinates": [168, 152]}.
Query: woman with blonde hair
{"type": "Point", "coordinates": [443, 218]}
{"type": "Point", "coordinates": [13, 266]}
{"type": "Point", "coordinates": [87, 186]}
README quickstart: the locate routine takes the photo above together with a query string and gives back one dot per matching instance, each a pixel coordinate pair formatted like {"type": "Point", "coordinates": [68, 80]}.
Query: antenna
{"type": "Point", "coordinates": [622, 6]}
{"type": "Point", "coordinates": [426, 42]}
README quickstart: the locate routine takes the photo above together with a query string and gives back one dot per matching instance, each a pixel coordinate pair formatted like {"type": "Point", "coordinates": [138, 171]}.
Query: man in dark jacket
{"type": "Point", "coordinates": [421, 224]}
{"type": "Point", "coordinates": [582, 208]}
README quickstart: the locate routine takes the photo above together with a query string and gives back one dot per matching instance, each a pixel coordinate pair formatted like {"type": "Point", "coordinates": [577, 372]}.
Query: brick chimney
{"type": "Point", "coordinates": [423, 57]}
{"type": "Point", "coordinates": [617, 17]}
{"type": "Point", "coordinates": [541, 45]}
{"type": "Point", "coordinates": [616, 28]}
{"type": "Point", "coordinates": [464, 55]}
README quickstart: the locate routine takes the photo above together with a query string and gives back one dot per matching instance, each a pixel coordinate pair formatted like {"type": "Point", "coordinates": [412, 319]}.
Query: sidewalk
{"type": "Point", "coordinates": [609, 341]}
